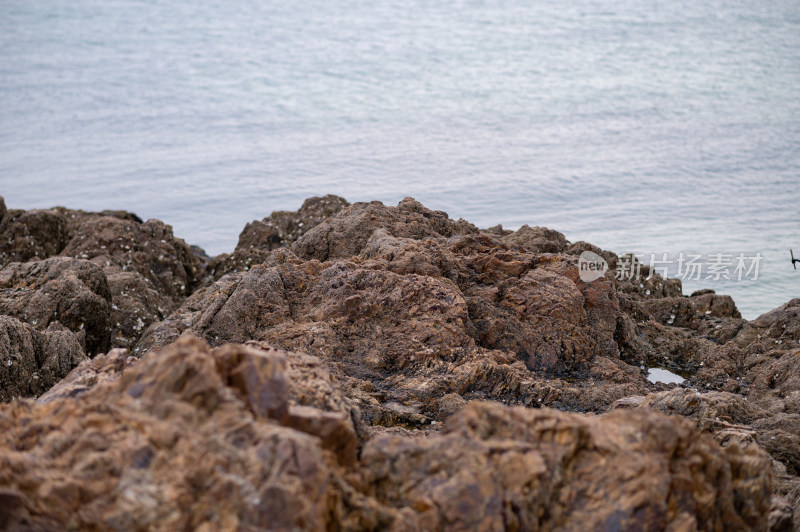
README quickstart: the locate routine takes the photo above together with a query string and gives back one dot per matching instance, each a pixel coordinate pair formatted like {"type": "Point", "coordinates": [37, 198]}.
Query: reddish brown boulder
{"type": "Point", "coordinates": [537, 239]}
{"type": "Point", "coordinates": [194, 438]}
{"type": "Point", "coordinates": [166, 446]}
{"type": "Point", "coordinates": [496, 468]}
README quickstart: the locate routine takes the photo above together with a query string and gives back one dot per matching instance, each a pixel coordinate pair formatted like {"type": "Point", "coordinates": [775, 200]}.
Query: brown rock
{"type": "Point", "coordinates": [637, 280]}
{"type": "Point", "coordinates": [579, 247]}
{"type": "Point", "coordinates": [497, 468]}
{"type": "Point", "coordinates": [165, 446]}
{"type": "Point", "coordinates": [135, 305]}
{"type": "Point", "coordinates": [537, 239]}
{"type": "Point", "coordinates": [709, 411]}
{"type": "Point", "coordinates": [777, 329]}
{"type": "Point", "coordinates": [346, 234]}
{"type": "Point", "coordinates": [31, 361]}
{"type": "Point", "coordinates": [711, 304]}
{"type": "Point", "coordinates": [89, 373]}
{"type": "Point", "coordinates": [31, 235]}
{"type": "Point", "coordinates": [284, 227]}
{"type": "Point", "coordinates": [150, 272]}
{"type": "Point", "coordinates": [186, 439]}
{"type": "Point", "coordinates": [72, 292]}
{"type": "Point", "coordinates": [279, 229]}
{"type": "Point", "coordinates": [149, 249]}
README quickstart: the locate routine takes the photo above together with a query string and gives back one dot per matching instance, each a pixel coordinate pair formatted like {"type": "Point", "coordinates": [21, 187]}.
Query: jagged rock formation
{"type": "Point", "coordinates": [279, 229]}
{"type": "Point", "coordinates": [395, 323]}
{"type": "Point", "coordinates": [193, 438]}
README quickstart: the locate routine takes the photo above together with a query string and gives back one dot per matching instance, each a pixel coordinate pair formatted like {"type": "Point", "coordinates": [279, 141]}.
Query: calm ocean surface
{"type": "Point", "coordinates": [646, 126]}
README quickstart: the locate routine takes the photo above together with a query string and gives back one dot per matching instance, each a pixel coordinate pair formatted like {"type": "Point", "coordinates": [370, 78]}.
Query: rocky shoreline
{"type": "Point", "coordinates": [372, 367]}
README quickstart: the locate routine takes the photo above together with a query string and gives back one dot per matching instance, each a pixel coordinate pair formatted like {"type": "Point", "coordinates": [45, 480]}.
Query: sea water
{"type": "Point", "coordinates": [637, 125]}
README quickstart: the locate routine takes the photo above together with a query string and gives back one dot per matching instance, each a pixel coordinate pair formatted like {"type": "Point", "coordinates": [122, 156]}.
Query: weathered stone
{"type": "Point", "coordinates": [576, 248]}
{"type": "Point", "coordinates": [196, 438]}
{"type": "Point", "coordinates": [346, 234]}
{"type": "Point", "coordinates": [72, 292]}
{"type": "Point", "coordinates": [709, 411]}
{"type": "Point", "coordinates": [149, 249]}
{"type": "Point", "coordinates": [718, 306]}
{"type": "Point", "coordinates": [259, 376]}
{"type": "Point", "coordinates": [31, 235]}
{"type": "Point", "coordinates": [777, 329]}
{"type": "Point", "coordinates": [135, 306]}
{"type": "Point", "coordinates": [90, 373]}
{"type": "Point", "coordinates": [279, 229]}
{"type": "Point", "coordinates": [31, 361]}
{"type": "Point", "coordinates": [537, 239]}
{"type": "Point", "coordinates": [637, 279]}
{"type": "Point", "coordinates": [284, 227]}
{"type": "Point", "coordinates": [497, 468]}
{"type": "Point", "coordinates": [165, 446]}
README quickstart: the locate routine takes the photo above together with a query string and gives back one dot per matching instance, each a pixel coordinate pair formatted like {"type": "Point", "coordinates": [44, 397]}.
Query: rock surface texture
{"type": "Point", "coordinates": [369, 367]}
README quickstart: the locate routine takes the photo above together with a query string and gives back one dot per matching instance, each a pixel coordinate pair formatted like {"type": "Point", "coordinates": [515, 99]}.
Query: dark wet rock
{"type": "Point", "coordinates": [284, 227]}
{"type": "Point", "coordinates": [31, 361]}
{"type": "Point", "coordinates": [31, 235]}
{"type": "Point", "coordinates": [75, 217]}
{"type": "Point", "coordinates": [639, 280]}
{"type": "Point", "coordinates": [710, 316]}
{"type": "Point", "coordinates": [201, 256]}
{"type": "Point", "coordinates": [72, 292]}
{"type": "Point", "coordinates": [675, 311]}
{"type": "Point", "coordinates": [150, 272]}
{"type": "Point", "coordinates": [42, 233]}
{"type": "Point", "coordinates": [651, 344]}
{"type": "Point", "coordinates": [497, 231]}
{"type": "Point", "coordinates": [149, 249]}
{"type": "Point", "coordinates": [135, 306]}
{"type": "Point", "coordinates": [717, 306]}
